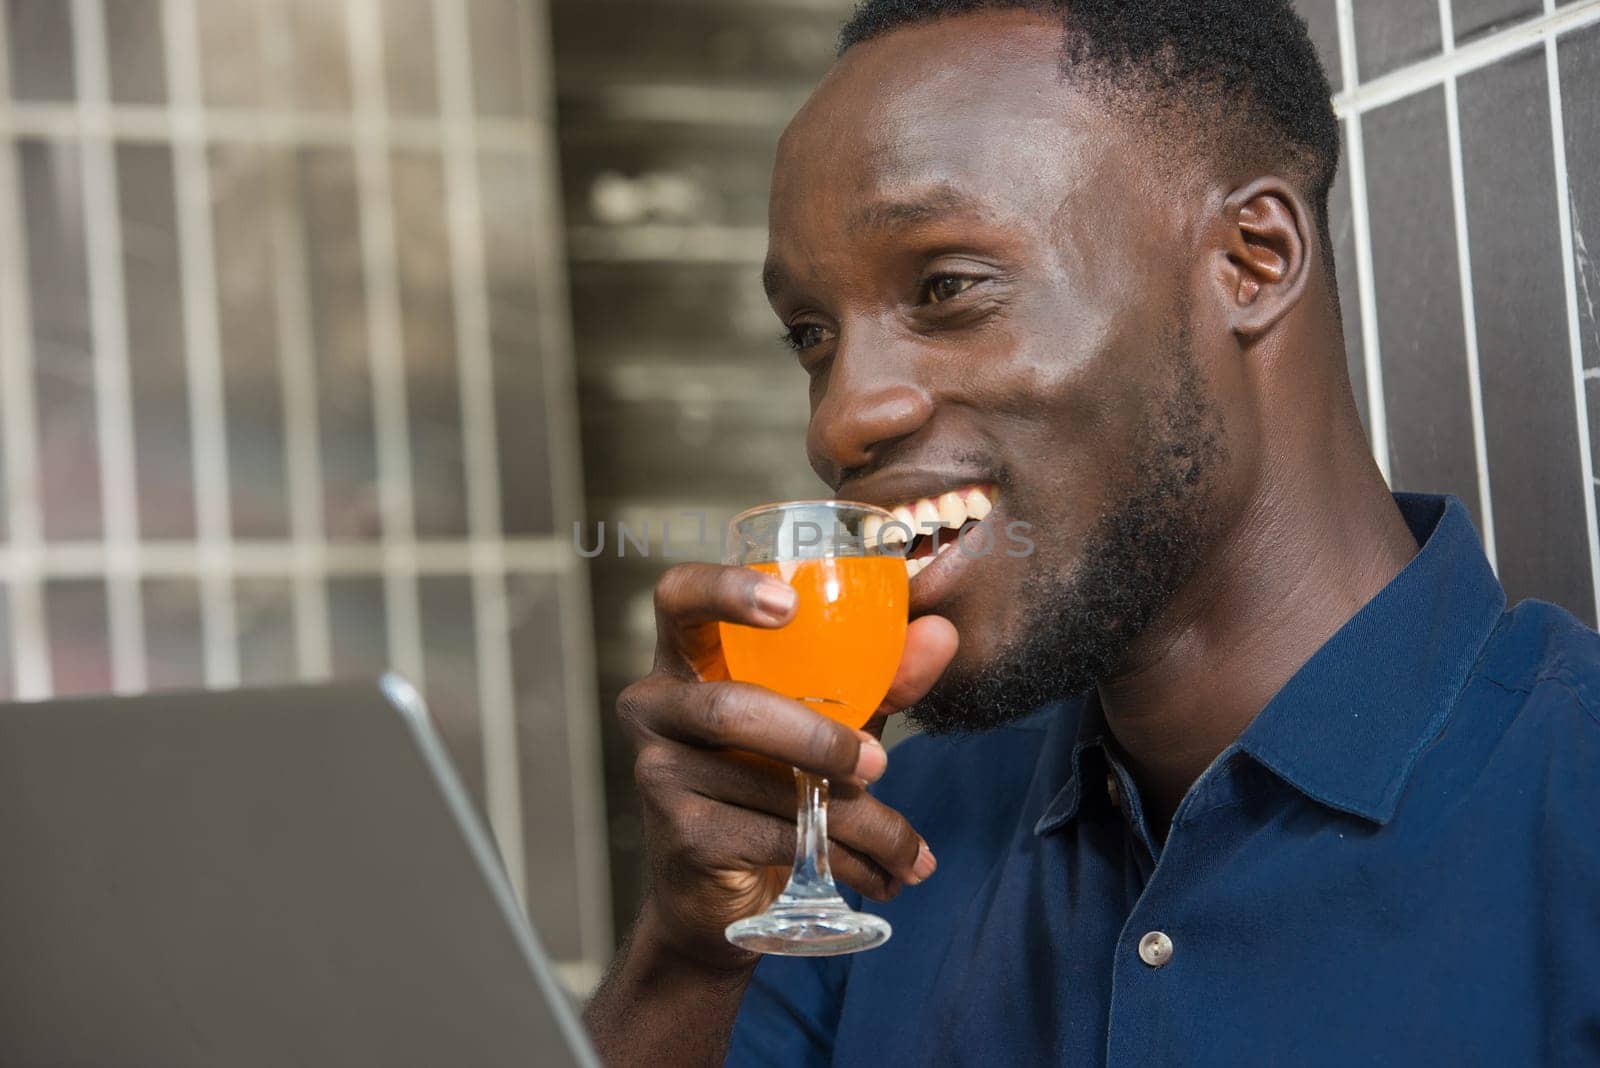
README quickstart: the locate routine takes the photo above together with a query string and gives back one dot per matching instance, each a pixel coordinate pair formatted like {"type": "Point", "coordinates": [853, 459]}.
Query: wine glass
{"type": "Point", "coordinates": [838, 656]}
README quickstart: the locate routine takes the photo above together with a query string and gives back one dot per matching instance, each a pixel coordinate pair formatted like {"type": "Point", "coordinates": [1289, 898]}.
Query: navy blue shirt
{"type": "Point", "coordinates": [1397, 863]}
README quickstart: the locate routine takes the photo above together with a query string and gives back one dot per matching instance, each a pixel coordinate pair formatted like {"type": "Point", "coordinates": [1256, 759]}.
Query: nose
{"type": "Point", "coordinates": [871, 401]}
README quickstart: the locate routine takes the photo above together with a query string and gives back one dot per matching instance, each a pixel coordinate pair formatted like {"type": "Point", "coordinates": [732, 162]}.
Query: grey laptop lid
{"type": "Point", "coordinates": [270, 877]}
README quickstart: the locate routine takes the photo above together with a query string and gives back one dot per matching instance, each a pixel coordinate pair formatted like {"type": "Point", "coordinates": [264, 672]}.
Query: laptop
{"type": "Point", "coordinates": [259, 877]}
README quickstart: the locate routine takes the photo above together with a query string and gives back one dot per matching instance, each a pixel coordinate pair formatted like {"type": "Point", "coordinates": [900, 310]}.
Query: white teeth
{"type": "Point", "coordinates": [917, 565]}
{"type": "Point", "coordinates": [952, 510]}
{"type": "Point", "coordinates": [871, 527]}
{"type": "Point", "coordinates": [902, 529]}
{"type": "Point", "coordinates": [931, 516]}
{"type": "Point", "coordinates": [948, 511]}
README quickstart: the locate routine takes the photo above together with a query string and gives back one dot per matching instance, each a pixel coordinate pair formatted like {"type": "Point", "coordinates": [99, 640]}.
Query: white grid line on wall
{"type": "Point", "coordinates": [202, 344]}
{"type": "Point", "coordinates": [268, 558]}
{"type": "Point", "coordinates": [109, 331]}
{"type": "Point", "coordinates": [1358, 98]}
{"type": "Point", "coordinates": [30, 652]}
{"type": "Point", "coordinates": [1377, 403]}
{"type": "Point", "coordinates": [560, 380]}
{"type": "Point", "coordinates": [277, 126]}
{"type": "Point", "coordinates": [496, 685]}
{"type": "Point", "coordinates": [1469, 313]}
{"type": "Point", "coordinates": [296, 371]}
{"type": "Point", "coordinates": [384, 346]}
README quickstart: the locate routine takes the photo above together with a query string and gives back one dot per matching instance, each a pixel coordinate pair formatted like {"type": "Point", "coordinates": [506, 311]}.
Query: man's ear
{"type": "Point", "coordinates": [1267, 256]}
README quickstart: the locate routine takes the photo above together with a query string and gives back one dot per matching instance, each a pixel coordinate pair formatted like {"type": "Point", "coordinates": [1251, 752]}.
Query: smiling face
{"type": "Point", "coordinates": [990, 289]}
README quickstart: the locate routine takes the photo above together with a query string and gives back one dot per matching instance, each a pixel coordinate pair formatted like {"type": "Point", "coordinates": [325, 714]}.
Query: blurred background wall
{"type": "Point", "coordinates": [287, 374]}
{"type": "Point", "coordinates": [669, 112]}
{"type": "Point", "coordinates": [1466, 218]}
{"type": "Point", "coordinates": [286, 383]}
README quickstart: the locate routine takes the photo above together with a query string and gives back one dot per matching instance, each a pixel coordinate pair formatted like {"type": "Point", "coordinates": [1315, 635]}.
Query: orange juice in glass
{"type": "Point", "coordinates": [840, 652]}
{"type": "Point", "coordinates": [838, 655]}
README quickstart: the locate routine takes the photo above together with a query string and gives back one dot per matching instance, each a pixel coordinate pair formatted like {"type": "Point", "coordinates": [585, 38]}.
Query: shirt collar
{"type": "Point", "coordinates": [1346, 730]}
{"type": "Point", "coordinates": [1091, 733]}
{"type": "Point", "coordinates": [1348, 726]}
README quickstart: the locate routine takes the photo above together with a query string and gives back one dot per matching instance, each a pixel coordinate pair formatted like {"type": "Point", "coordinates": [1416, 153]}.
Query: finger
{"type": "Point", "coordinates": [865, 825]}
{"type": "Point", "coordinates": [861, 874]}
{"type": "Point", "coordinates": [931, 643]}
{"type": "Point", "coordinates": [711, 836]}
{"type": "Point", "coordinates": [858, 821]}
{"type": "Point", "coordinates": [716, 837]}
{"type": "Point", "coordinates": [691, 599]}
{"type": "Point", "coordinates": [736, 715]}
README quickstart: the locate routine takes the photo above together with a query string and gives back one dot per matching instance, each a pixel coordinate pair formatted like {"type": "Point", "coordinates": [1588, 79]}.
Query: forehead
{"type": "Point", "coordinates": [971, 109]}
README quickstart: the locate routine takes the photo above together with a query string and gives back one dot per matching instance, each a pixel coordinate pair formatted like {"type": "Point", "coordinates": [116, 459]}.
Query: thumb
{"type": "Point", "coordinates": [931, 643]}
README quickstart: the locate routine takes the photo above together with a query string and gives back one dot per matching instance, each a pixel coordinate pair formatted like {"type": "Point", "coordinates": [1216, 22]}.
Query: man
{"type": "Point", "coordinates": [1248, 763]}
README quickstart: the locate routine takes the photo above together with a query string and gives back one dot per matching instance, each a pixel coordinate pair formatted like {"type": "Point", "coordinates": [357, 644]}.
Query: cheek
{"type": "Point", "coordinates": [1067, 392]}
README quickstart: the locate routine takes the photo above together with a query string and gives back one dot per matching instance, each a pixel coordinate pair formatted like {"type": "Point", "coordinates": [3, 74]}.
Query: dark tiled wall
{"type": "Point", "coordinates": [1393, 33]}
{"type": "Point", "coordinates": [1420, 317]}
{"type": "Point", "coordinates": [669, 114]}
{"type": "Point", "coordinates": [1535, 474]}
{"type": "Point", "coordinates": [1506, 436]}
{"type": "Point", "coordinates": [1477, 18]}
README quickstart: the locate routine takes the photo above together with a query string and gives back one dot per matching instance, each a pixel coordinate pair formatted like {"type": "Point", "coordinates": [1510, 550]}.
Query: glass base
{"type": "Point", "coordinates": [810, 929]}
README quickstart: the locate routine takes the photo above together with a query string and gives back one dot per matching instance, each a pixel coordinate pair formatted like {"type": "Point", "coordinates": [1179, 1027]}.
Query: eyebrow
{"type": "Point", "coordinates": [910, 211]}
{"type": "Point", "coordinates": [889, 215]}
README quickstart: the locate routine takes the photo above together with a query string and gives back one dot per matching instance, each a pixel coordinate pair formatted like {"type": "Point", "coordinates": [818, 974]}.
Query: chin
{"type": "Point", "coordinates": [972, 661]}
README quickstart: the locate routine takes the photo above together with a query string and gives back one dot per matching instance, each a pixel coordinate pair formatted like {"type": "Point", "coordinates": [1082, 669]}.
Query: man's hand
{"type": "Point", "coordinates": [715, 762]}
{"type": "Point", "coordinates": [715, 773]}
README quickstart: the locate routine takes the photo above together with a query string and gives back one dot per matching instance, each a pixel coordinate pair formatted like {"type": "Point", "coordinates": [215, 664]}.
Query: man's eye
{"type": "Point", "coordinates": [946, 287]}
{"type": "Point", "coordinates": [803, 336]}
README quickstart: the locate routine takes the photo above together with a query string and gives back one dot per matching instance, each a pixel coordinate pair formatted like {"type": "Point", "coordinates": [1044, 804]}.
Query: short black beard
{"type": "Point", "coordinates": [1080, 626]}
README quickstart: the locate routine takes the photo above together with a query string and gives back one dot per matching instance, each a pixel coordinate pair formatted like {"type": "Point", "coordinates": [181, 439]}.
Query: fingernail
{"type": "Point", "coordinates": [925, 866]}
{"type": "Point", "coordinates": [872, 761]}
{"type": "Point", "coordinates": [775, 599]}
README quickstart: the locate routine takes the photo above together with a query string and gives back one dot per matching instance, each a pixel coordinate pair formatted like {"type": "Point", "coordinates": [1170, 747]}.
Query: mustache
{"type": "Point", "coordinates": [973, 460]}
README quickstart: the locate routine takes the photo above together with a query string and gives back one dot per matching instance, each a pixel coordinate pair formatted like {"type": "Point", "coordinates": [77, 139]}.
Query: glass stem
{"type": "Point", "coordinates": [812, 878]}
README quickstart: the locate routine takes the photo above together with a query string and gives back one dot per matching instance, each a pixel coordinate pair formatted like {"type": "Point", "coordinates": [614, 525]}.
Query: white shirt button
{"type": "Point", "coordinates": [1155, 949]}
